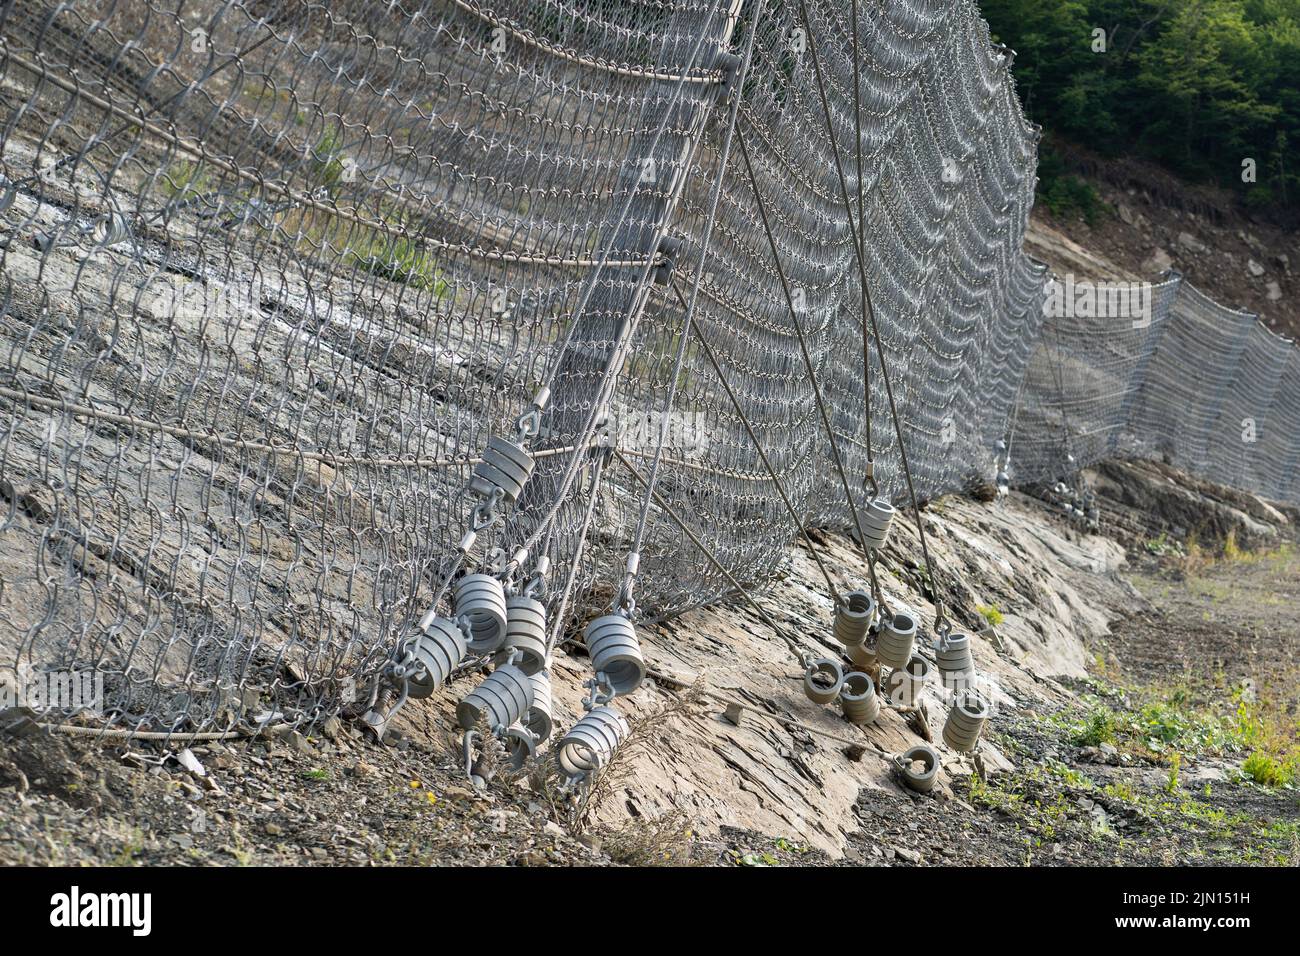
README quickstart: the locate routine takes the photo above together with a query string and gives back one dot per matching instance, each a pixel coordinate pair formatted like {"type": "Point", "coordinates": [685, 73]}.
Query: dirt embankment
{"type": "Point", "coordinates": [1121, 729]}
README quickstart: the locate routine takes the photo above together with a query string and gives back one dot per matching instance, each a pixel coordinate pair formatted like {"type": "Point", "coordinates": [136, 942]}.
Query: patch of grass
{"type": "Point", "coordinates": [185, 180]}
{"type": "Point", "coordinates": [316, 773]}
{"type": "Point", "coordinates": [399, 259]}
{"type": "Point", "coordinates": [990, 613]}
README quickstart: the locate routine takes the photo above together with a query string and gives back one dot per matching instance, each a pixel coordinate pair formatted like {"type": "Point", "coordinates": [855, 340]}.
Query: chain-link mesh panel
{"type": "Point", "coordinates": [274, 273]}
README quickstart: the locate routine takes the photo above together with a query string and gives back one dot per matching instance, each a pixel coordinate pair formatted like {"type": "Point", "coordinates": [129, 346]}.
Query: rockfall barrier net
{"type": "Point", "coordinates": [274, 273]}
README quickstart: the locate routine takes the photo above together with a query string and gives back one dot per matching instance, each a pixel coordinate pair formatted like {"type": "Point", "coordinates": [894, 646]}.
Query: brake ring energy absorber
{"type": "Point", "coordinates": [897, 634]}
{"type": "Point", "coordinates": [822, 680]}
{"type": "Point", "coordinates": [875, 523]}
{"type": "Point", "coordinates": [853, 618]}
{"type": "Point", "coordinates": [956, 664]}
{"type": "Point", "coordinates": [615, 652]}
{"type": "Point", "coordinates": [501, 700]}
{"type": "Point", "coordinates": [965, 723]}
{"type": "Point", "coordinates": [904, 684]}
{"type": "Point", "coordinates": [481, 599]}
{"type": "Point", "coordinates": [438, 649]}
{"type": "Point", "coordinates": [859, 700]}
{"type": "Point", "coordinates": [590, 743]}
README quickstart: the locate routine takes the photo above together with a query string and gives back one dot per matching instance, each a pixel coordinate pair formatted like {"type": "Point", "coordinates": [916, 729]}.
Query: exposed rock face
{"type": "Point", "coordinates": [1141, 500]}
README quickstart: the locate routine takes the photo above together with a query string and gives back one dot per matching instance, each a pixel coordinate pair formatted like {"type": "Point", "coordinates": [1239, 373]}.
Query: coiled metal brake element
{"type": "Point", "coordinates": [897, 634]}
{"type": "Point", "coordinates": [875, 523]}
{"type": "Point", "coordinates": [615, 652]}
{"type": "Point", "coordinates": [481, 600]}
{"type": "Point", "coordinates": [904, 684]}
{"type": "Point", "coordinates": [822, 680]}
{"type": "Point", "coordinates": [500, 700]}
{"type": "Point", "coordinates": [965, 721]}
{"type": "Point", "coordinates": [956, 664]}
{"type": "Point", "coordinates": [437, 650]}
{"type": "Point", "coordinates": [921, 779]}
{"type": "Point", "coordinates": [859, 700]}
{"type": "Point", "coordinates": [590, 743]}
{"type": "Point", "coordinates": [526, 632]}
{"type": "Point", "coordinates": [854, 617]}
{"type": "Point", "coordinates": [505, 465]}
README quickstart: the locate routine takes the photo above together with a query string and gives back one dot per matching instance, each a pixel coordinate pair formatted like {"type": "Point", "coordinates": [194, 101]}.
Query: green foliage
{"type": "Point", "coordinates": [398, 259]}
{"type": "Point", "coordinates": [1199, 85]}
{"type": "Point", "coordinates": [1064, 194]}
{"type": "Point", "coordinates": [1100, 727]}
{"type": "Point", "coordinates": [1266, 770]}
{"type": "Point", "coordinates": [990, 613]}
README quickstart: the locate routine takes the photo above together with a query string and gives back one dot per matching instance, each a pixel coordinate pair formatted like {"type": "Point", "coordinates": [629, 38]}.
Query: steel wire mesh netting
{"type": "Point", "coordinates": [274, 273]}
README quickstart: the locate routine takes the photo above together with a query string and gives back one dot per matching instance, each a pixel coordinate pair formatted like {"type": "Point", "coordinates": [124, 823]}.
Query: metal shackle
{"type": "Point", "coordinates": [505, 465]}
{"type": "Point", "coordinates": [876, 520]}
{"type": "Point", "coordinates": [591, 742]}
{"type": "Point", "coordinates": [854, 617]}
{"type": "Point", "coordinates": [897, 634]}
{"type": "Point", "coordinates": [904, 684]}
{"type": "Point", "coordinates": [822, 680]}
{"type": "Point", "coordinates": [502, 698]}
{"type": "Point", "coordinates": [482, 599]}
{"type": "Point", "coordinates": [526, 632]}
{"type": "Point", "coordinates": [438, 649]}
{"type": "Point", "coordinates": [540, 718]}
{"type": "Point", "coordinates": [858, 699]}
{"type": "Point", "coordinates": [955, 662]}
{"type": "Point", "coordinates": [615, 652]}
{"type": "Point", "coordinates": [920, 779]}
{"type": "Point", "coordinates": [965, 723]}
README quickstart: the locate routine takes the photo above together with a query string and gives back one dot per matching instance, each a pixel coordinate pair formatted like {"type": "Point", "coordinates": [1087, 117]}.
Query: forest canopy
{"type": "Point", "coordinates": [1201, 86]}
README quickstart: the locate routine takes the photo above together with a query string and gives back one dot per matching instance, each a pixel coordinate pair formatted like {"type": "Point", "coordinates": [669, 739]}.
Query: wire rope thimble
{"type": "Point", "coordinates": [922, 778]}
{"type": "Point", "coordinates": [505, 466]}
{"type": "Point", "coordinates": [952, 655]}
{"type": "Point", "coordinates": [591, 742]}
{"type": "Point", "coordinates": [436, 650]}
{"type": "Point", "coordinates": [501, 700]}
{"type": "Point", "coordinates": [822, 680]}
{"type": "Point", "coordinates": [965, 723]}
{"type": "Point", "coordinates": [481, 600]}
{"type": "Point", "coordinates": [526, 632]}
{"type": "Point", "coordinates": [897, 635]}
{"type": "Point", "coordinates": [876, 520]}
{"type": "Point", "coordinates": [869, 481]}
{"type": "Point", "coordinates": [540, 718]}
{"type": "Point", "coordinates": [858, 699]}
{"type": "Point", "coordinates": [854, 616]}
{"type": "Point", "coordinates": [904, 684]}
{"type": "Point", "coordinates": [615, 652]}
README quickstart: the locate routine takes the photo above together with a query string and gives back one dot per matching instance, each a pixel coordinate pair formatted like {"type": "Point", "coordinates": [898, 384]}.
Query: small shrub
{"type": "Point", "coordinates": [1265, 770]}
{"type": "Point", "coordinates": [1099, 728]}
{"type": "Point", "coordinates": [990, 613]}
